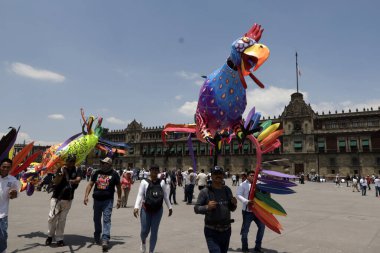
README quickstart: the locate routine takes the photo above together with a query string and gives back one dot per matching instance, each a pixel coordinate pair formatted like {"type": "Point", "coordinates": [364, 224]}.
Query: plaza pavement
{"type": "Point", "coordinates": [321, 218]}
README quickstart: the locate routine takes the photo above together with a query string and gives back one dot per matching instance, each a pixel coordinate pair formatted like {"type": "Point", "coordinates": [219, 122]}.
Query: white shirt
{"type": "Point", "coordinates": [363, 182]}
{"type": "Point", "coordinates": [243, 194]}
{"type": "Point", "coordinates": [202, 179]}
{"type": "Point", "coordinates": [377, 182]}
{"type": "Point", "coordinates": [142, 192]}
{"type": "Point", "coordinates": [6, 184]}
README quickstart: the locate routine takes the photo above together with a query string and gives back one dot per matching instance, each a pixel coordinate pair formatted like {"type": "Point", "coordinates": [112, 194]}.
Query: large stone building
{"type": "Point", "coordinates": [326, 143]}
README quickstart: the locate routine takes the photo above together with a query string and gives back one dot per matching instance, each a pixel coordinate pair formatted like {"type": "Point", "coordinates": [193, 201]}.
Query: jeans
{"type": "Point", "coordinates": [150, 222]}
{"type": "Point", "coordinates": [377, 189]}
{"type": "Point", "coordinates": [248, 217]}
{"type": "Point", "coordinates": [364, 190]}
{"type": "Point", "coordinates": [102, 207]}
{"type": "Point", "coordinates": [217, 241]}
{"type": "Point", "coordinates": [3, 233]}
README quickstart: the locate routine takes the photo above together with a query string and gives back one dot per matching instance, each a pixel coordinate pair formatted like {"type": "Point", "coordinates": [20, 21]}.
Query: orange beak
{"type": "Point", "coordinates": [259, 52]}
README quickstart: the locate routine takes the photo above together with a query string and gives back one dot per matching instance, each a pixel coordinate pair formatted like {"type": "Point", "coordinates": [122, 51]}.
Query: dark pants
{"type": "Point", "coordinates": [364, 190]}
{"type": "Point", "coordinates": [189, 190]}
{"type": "Point", "coordinates": [102, 208]}
{"type": "Point", "coordinates": [172, 194]}
{"type": "Point", "coordinates": [377, 189]}
{"type": "Point", "coordinates": [217, 242]}
{"type": "Point", "coordinates": [248, 217]}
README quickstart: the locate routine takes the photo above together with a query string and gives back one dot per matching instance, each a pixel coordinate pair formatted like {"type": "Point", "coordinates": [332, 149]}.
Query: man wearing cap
{"type": "Point", "coordinates": [105, 180]}
{"type": "Point", "coordinates": [249, 216]}
{"type": "Point", "coordinates": [63, 194]}
{"type": "Point", "coordinates": [216, 202]}
{"type": "Point", "coordinates": [189, 185]}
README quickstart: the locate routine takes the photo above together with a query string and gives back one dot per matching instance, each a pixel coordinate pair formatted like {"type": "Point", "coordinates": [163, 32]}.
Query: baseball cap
{"type": "Point", "coordinates": [106, 160]}
{"type": "Point", "coordinates": [216, 170]}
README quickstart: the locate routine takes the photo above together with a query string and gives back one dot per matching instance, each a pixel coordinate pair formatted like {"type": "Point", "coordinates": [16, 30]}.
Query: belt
{"type": "Point", "coordinates": [219, 228]}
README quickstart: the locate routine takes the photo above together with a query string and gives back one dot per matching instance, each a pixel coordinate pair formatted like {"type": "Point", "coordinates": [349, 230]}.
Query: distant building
{"type": "Point", "coordinates": [36, 148]}
{"type": "Point", "coordinates": [323, 143]}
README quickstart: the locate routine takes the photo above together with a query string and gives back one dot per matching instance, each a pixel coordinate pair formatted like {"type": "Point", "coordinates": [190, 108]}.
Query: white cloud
{"type": "Point", "coordinates": [191, 76]}
{"type": "Point", "coordinates": [269, 101]}
{"type": "Point", "coordinates": [39, 74]}
{"type": "Point", "coordinates": [178, 97]}
{"type": "Point", "coordinates": [56, 116]}
{"type": "Point", "coordinates": [188, 108]}
{"type": "Point", "coordinates": [199, 82]}
{"type": "Point", "coordinates": [116, 121]}
{"type": "Point", "coordinates": [188, 75]}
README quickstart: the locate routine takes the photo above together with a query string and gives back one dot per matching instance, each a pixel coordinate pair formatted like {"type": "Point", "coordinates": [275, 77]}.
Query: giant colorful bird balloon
{"type": "Point", "coordinates": [219, 118]}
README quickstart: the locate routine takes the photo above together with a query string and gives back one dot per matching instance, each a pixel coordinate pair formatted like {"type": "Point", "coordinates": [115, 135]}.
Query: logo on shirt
{"type": "Point", "coordinates": [103, 182]}
{"type": "Point", "coordinates": [9, 184]}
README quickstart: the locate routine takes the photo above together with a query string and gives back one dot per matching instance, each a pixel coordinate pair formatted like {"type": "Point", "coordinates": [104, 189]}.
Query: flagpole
{"type": "Point", "coordinates": [297, 69]}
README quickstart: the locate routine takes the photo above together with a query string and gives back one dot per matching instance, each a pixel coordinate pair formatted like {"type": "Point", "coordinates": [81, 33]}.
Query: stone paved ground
{"type": "Point", "coordinates": [321, 218]}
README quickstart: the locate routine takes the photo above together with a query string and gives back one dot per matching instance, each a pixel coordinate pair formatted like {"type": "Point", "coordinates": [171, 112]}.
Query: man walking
{"type": "Point", "coordinates": [377, 186]}
{"type": "Point", "coordinates": [189, 186]}
{"type": "Point", "coordinates": [249, 216]}
{"type": "Point", "coordinates": [66, 180]}
{"type": "Point", "coordinates": [216, 203]}
{"type": "Point", "coordinates": [363, 184]}
{"type": "Point", "coordinates": [105, 180]}
{"type": "Point", "coordinates": [201, 180]}
{"type": "Point", "coordinates": [9, 186]}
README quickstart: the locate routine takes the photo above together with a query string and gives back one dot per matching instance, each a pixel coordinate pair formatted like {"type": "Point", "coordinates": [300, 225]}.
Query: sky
{"type": "Point", "coordinates": [125, 60]}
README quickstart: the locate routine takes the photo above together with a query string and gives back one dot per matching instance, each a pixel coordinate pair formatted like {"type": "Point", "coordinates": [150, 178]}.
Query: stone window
{"type": "Point", "coordinates": [353, 145]}
{"type": "Point", "coordinates": [365, 145]}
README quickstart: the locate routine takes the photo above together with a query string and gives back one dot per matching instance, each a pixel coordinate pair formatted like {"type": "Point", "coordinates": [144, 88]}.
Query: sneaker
{"type": "Point", "coordinates": [48, 241]}
{"type": "Point", "coordinates": [143, 247]}
{"type": "Point", "coordinates": [105, 246]}
{"type": "Point", "coordinates": [60, 243]}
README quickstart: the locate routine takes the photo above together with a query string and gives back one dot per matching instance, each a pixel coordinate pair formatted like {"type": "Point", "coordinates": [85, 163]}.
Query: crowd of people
{"type": "Point", "coordinates": [215, 200]}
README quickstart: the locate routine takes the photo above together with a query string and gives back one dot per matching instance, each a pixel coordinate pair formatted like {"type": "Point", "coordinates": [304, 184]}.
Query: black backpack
{"type": "Point", "coordinates": [154, 196]}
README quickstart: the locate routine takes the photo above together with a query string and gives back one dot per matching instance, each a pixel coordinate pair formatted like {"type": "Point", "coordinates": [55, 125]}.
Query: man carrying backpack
{"type": "Point", "coordinates": [66, 180]}
{"type": "Point", "coordinates": [216, 202]}
{"type": "Point", "coordinates": [105, 180]}
{"type": "Point", "coordinates": [150, 197]}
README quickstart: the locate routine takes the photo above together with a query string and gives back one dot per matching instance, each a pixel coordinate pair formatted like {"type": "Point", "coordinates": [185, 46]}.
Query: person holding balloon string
{"type": "Point", "coordinates": [66, 182]}
{"type": "Point", "coordinates": [248, 216]}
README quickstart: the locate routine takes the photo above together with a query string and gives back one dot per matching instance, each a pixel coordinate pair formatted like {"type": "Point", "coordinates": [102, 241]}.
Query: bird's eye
{"type": "Point", "coordinates": [245, 39]}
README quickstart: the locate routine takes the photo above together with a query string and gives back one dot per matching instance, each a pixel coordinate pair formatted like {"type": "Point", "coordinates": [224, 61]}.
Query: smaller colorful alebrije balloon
{"type": "Point", "coordinates": [80, 145]}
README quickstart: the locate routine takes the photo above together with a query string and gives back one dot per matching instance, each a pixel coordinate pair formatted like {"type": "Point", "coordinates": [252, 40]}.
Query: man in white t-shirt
{"type": "Point", "coordinates": [201, 180]}
{"type": "Point", "coordinates": [9, 186]}
{"type": "Point", "coordinates": [377, 186]}
{"type": "Point", "coordinates": [363, 183]}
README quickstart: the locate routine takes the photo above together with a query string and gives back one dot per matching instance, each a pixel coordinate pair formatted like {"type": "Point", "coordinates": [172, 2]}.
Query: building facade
{"type": "Point", "coordinates": [326, 143]}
